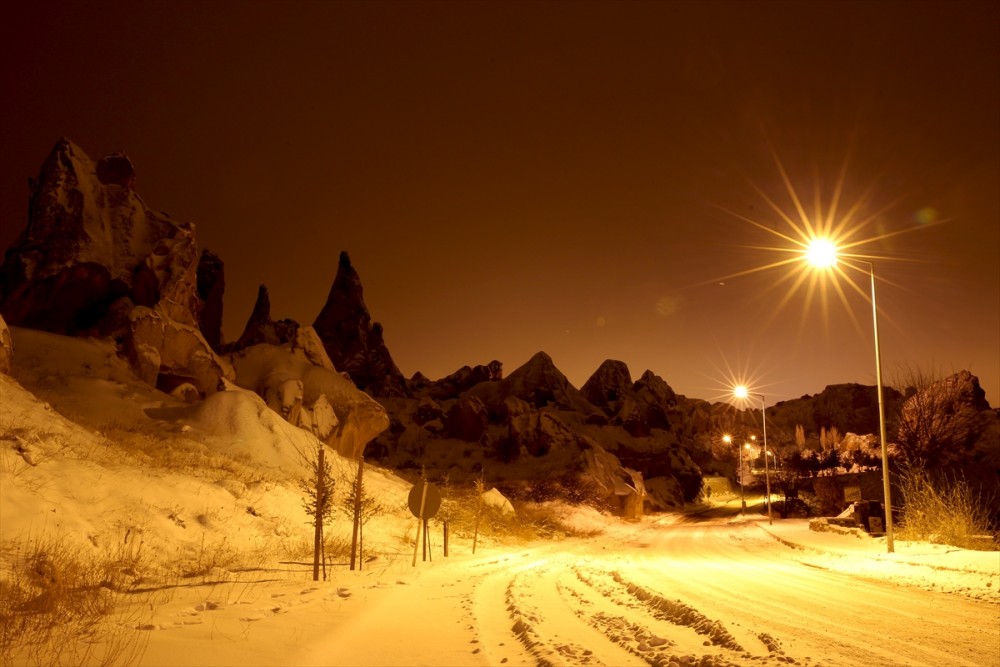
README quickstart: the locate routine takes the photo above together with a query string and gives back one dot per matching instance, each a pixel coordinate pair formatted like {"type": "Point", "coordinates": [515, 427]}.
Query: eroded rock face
{"type": "Point", "coordinates": [948, 422]}
{"type": "Point", "coordinates": [6, 348]}
{"type": "Point", "coordinates": [166, 353]}
{"type": "Point", "coordinates": [535, 426]}
{"type": "Point", "coordinates": [116, 169]}
{"type": "Point", "coordinates": [307, 341]}
{"type": "Point", "coordinates": [637, 407]}
{"type": "Point", "coordinates": [260, 328]}
{"type": "Point", "coordinates": [93, 254]}
{"type": "Point", "coordinates": [289, 377]}
{"type": "Point", "coordinates": [211, 287]}
{"type": "Point", "coordinates": [585, 470]}
{"type": "Point", "coordinates": [461, 380]}
{"type": "Point", "coordinates": [539, 383]}
{"type": "Point", "coordinates": [607, 385]}
{"type": "Point", "coordinates": [88, 244]}
{"type": "Point", "coordinates": [467, 419]}
{"type": "Point", "coordinates": [353, 342]}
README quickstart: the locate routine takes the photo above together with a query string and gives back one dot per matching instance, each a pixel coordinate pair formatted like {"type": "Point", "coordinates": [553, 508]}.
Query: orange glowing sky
{"type": "Point", "coordinates": [595, 180]}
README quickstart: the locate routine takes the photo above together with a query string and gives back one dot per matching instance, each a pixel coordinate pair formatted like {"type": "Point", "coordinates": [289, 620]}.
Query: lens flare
{"type": "Point", "coordinates": [821, 253]}
{"type": "Point", "coordinates": [822, 240]}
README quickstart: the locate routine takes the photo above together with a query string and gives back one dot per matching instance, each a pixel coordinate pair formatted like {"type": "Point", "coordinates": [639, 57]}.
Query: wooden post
{"type": "Point", "coordinates": [320, 501]}
{"type": "Point", "coordinates": [357, 510]}
{"type": "Point", "coordinates": [446, 538]}
{"type": "Point", "coordinates": [480, 485]}
{"type": "Point", "coordinates": [420, 521]}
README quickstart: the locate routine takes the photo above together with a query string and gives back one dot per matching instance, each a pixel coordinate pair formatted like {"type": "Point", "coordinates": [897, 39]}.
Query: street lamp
{"type": "Point", "coordinates": [742, 392]}
{"type": "Point", "coordinates": [822, 254]}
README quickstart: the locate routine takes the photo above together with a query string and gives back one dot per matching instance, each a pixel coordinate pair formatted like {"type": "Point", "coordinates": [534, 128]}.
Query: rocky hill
{"type": "Point", "coordinates": [95, 261]}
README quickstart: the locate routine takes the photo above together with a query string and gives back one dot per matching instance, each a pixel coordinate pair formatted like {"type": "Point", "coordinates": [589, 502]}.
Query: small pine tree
{"type": "Point", "coordinates": [318, 503]}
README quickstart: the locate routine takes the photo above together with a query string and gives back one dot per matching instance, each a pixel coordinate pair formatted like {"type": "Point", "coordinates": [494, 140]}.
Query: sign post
{"type": "Point", "coordinates": [424, 501]}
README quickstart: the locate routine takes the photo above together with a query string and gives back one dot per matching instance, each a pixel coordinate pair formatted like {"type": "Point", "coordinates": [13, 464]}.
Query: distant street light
{"type": "Point", "coordinates": [742, 392]}
{"type": "Point", "coordinates": [822, 254]}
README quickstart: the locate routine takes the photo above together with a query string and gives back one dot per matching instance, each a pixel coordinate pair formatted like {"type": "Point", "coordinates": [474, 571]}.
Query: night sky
{"type": "Point", "coordinates": [594, 180]}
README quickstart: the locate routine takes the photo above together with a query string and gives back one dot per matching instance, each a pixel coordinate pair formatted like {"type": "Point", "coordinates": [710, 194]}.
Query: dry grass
{"type": "Point", "coordinates": [946, 511]}
{"type": "Point", "coordinates": [130, 445]}
{"type": "Point", "coordinates": [61, 606]}
{"type": "Point", "coordinates": [530, 521]}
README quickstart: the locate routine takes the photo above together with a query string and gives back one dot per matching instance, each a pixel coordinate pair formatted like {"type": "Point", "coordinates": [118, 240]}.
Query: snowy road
{"type": "Point", "coordinates": [704, 593]}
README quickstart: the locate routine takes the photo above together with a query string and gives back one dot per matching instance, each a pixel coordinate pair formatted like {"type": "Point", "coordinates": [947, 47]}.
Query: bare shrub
{"type": "Point", "coordinates": [947, 511]}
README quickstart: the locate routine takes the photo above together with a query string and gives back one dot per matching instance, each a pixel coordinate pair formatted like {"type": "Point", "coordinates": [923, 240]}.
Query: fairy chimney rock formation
{"type": "Point", "coordinates": [353, 342]}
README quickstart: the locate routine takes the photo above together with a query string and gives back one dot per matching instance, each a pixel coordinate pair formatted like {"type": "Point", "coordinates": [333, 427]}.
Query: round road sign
{"type": "Point", "coordinates": [431, 503]}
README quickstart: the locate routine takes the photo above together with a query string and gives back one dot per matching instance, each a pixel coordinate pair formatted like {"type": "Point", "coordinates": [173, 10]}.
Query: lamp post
{"type": "Point", "coordinates": [822, 253]}
{"type": "Point", "coordinates": [742, 392]}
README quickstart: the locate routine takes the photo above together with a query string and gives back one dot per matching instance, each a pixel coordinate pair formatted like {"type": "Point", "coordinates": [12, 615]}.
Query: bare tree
{"type": "Point", "coordinates": [942, 420]}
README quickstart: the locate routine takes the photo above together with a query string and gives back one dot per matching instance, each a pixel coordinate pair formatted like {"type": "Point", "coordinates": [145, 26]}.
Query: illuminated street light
{"type": "Point", "coordinates": [822, 254]}
{"type": "Point", "coordinates": [743, 393]}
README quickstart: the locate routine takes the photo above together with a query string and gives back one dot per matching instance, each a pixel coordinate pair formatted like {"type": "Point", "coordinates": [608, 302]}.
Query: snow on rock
{"type": "Point", "coordinates": [538, 383]}
{"type": "Point", "coordinates": [166, 352]}
{"type": "Point", "coordinates": [93, 252]}
{"type": "Point", "coordinates": [268, 370]}
{"type": "Point", "coordinates": [242, 423]}
{"type": "Point", "coordinates": [493, 498]}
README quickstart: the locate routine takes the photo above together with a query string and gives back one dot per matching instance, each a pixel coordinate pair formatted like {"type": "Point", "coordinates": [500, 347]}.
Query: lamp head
{"type": "Point", "coordinates": [821, 253]}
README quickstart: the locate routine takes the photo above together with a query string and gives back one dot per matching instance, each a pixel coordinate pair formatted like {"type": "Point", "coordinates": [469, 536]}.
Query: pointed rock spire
{"type": "Point", "coordinates": [352, 340]}
{"type": "Point", "coordinates": [261, 328]}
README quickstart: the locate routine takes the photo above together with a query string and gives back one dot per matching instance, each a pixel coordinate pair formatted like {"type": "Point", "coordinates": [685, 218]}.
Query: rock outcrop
{"type": "Point", "coordinates": [461, 380]}
{"type": "Point", "coordinates": [535, 426]}
{"type": "Point", "coordinates": [949, 422]}
{"type": "Point", "coordinates": [6, 348]}
{"type": "Point", "coordinates": [538, 383]}
{"type": "Point", "coordinates": [353, 342]}
{"type": "Point", "coordinates": [94, 260]}
{"type": "Point", "coordinates": [165, 353]}
{"type": "Point", "coordinates": [260, 328]}
{"type": "Point", "coordinates": [211, 288]}
{"type": "Point", "coordinates": [637, 407]}
{"type": "Point", "coordinates": [467, 420]}
{"type": "Point", "coordinates": [607, 385]}
{"type": "Point", "coordinates": [304, 391]}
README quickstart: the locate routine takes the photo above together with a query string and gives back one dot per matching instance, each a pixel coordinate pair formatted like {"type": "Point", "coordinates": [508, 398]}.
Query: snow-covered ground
{"type": "Point", "coordinates": [498, 606]}
{"type": "Point", "coordinates": [202, 512]}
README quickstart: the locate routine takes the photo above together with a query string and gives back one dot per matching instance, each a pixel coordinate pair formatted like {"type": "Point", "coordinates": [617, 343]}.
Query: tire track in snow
{"type": "Point", "coordinates": [809, 611]}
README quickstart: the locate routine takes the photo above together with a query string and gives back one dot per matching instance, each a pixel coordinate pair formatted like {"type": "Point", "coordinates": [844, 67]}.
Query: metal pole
{"type": "Point", "coordinates": [767, 475]}
{"type": "Point", "coordinates": [743, 497]}
{"type": "Point", "coordinates": [881, 421]}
